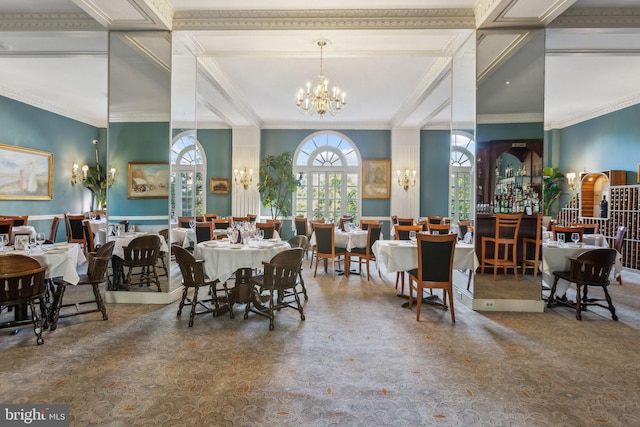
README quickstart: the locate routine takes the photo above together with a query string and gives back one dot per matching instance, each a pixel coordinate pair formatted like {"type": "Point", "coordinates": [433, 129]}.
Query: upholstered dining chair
{"type": "Point", "coordinates": [204, 231]}
{"type": "Point", "coordinates": [22, 282]}
{"type": "Point", "coordinates": [505, 244]}
{"type": "Point", "coordinates": [268, 227]}
{"type": "Point", "coordinates": [95, 275]}
{"type": "Point", "coordinates": [210, 217]}
{"type": "Point", "coordinates": [221, 224]}
{"type": "Point", "coordinates": [327, 250]}
{"type": "Point", "coordinates": [589, 269]}
{"type": "Point", "coordinates": [312, 224]}
{"type": "Point", "coordinates": [405, 221]}
{"type": "Point", "coordinates": [239, 219]}
{"type": "Point", "coordinates": [342, 221]}
{"type": "Point", "coordinates": [587, 228]}
{"type": "Point", "coordinates": [435, 270]}
{"type": "Point", "coordinates": [6, 227]}
{"type": "Point", "coordinates": [365, 255]}
{"type": "Point", "coordinates": [276, 222]}
{"type": "Point", "coordinates": [193, 278]}
{"type": "Point", "coordinates": [185, 221]}
{"type": "Point", "coordinates": [18, 220]}
{"type": "Point", "coordinates": [402, 233]}
{"type": "Point", "coordinates": [463, 227]}
{"type": "Point", "coordinates": [280, 278]}
{"type": "Point", "coordinates": [438, 228]}
{"type": "Point", "coordinates": [567, 232]}
{"type": "Point", "coordinates": [75, 229]}
{"type": "Point", "coordinates": [365, 223]}
{"type": "Point", "coordinates": [142, 254]}
{"type": "Point", "coordinates": [89, 236]}
{"type": "Point", "coordinates": [252, 218]}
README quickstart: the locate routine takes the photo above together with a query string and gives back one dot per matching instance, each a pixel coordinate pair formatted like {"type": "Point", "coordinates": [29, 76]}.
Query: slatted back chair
{"type": "Point", "coordinates": [193, 277]}
{"type": "Point", "coordinates": [300, 241]}
{"type": "Point", "coordinates": [505, 244]}
{"type": "Point", "coordinates": [22, 281]}
{"type": "Point", "coordinates": [280, 279]}
{"type": "Point", "coordinates": [89, 236]}
{"type": "Point", "coordinates": [95, 275]}
{"type": "Point", "coordinates": [142, 254]}
{"type": "Point", "coordinates": [591, 268]}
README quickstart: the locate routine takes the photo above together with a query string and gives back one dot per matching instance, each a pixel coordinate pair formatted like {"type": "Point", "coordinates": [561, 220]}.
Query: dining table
{"type": "Point", "coordinates": [223, 259]}
{"type": "Point", "coordinates": [555, 257]}
{"type": "Point", "coordinates": [402, 255]}
{"type": "Point", "coordinates": [347, 239]}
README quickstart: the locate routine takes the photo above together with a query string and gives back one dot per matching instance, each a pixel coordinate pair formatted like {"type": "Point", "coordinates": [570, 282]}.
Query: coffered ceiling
{"type": "Point", "coordinates": [392, 58]}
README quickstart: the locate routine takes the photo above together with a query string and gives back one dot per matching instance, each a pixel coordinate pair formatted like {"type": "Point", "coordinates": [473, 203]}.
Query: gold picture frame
{"type": "Point", "coordinates": [376, 179]}
{"type": "Point", "coordinates": [148, 180]}
{"type": "Point", "coordinates": [25, 174]}
{"type": "Point", "coordinates": [219, 185]}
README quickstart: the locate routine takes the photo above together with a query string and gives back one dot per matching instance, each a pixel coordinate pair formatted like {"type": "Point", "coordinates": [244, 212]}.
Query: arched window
{"type": "Point", "coordinates": [462, 160]}
{"type": "Point", "coordinates": [329, 163]}
{"type": "Point", "coordinates": [188, 172]}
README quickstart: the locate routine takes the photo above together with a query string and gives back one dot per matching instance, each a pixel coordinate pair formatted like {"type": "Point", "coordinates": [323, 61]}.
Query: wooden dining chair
{"type": "Point", "coordinates": [463, 227]}
{"type": "Point", "coordinates": [210, 217]}
{"type": "Point", "coordinates": [435, 219]}
{"type": "Point", "coordinates": [204, 231]}
{"type": "Point", "coordinates": [89, 236]}
{"type": "Point", "coordinates": [6, 227]}
{"type": "Point", "coordinates": [530, 260]}
{"type": "Point", "coordinates": [405, 221]}
{"type": "Point", "coordinates": [18, 220]}
{"type": "Point", "coordinates": [435, 270]}
{"type": "Point", "coordinates": [238, 219]}
{"type": "Point", "coordinates": [142, 254]}
{"type": "Point", "coordinates": [98, 263]}
{"type": "Point", "coordinates": [314, 248]}
{"type": "Point", "coordinates": [402, 233]}
{"type": "Point", "coordinates": [300, 241]}
{"type": "Point", "coordinates": [279, 279]}
{"type": "Point", "coordinates": [252, 218]}
{"type": "Point", "coordinates": [439, 228]}
{"type": "Point", "coordinates": [268, 227]}
{"type": "Point", "coordinates": [276, 222]}
{"type": "Point", "coordinates": [365, 223]}
{"type": "Point", "coordinates": [365, 255]}
{"type": "Point", "coordinates": [22, 281]}
{"type": "Point", "coordinates": [587, 228]}
{"type": "Point", "coordinates": [54, 230]}
{"type": "Point", "coordinates": [344, 220]}
{"type": "Point", "coordinates": [567, 232]}
{"type": "Point", "coordinates": [75, 229]}
{"type": "Point", "coordinates": [194, 278]}
{"type": "Point", "coordinates": [185, 221]}
{"type": "Point", "coordinates": [326, 249]}
{"type": "Point", "coordinates": [505, 243]}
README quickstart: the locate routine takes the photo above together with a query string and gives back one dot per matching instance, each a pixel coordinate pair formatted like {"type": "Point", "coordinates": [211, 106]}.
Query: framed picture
{"type": "Point", "coordinates": [376, 183]}
{"type": "Point", "coordinates": [219, 185]}
{"type": "Point", "coordinates": [25, 174]}
{"type": "Point", "coordinates": [148, 180]}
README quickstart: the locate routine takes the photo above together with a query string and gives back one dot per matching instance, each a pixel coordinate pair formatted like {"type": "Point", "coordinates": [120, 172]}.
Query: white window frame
{"type": "Point", "coordinates": [177, 167]}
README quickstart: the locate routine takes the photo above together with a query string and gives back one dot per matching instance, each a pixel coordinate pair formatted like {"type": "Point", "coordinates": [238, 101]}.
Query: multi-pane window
{"type": "Point", "coordinates": [188, 171]}
{"type": "Point", "coordinates": [330, 188]}
{"type": "Point", "coordinates": [461, 192]}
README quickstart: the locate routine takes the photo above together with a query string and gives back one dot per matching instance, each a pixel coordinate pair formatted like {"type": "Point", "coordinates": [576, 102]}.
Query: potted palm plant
{"type": "Point", "coordinates": [552, 188]}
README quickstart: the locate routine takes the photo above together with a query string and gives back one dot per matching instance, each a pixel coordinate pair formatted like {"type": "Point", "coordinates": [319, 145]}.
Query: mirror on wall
{"type": "Point", "coordinates": [139, 134]}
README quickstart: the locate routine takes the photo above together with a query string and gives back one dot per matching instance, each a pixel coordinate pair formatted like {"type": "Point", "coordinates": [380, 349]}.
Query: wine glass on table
{"type": "Point", "coordinates": [561, 239]}
{"type": "Point", "coordinates": [40, 239]}
{"type": "Point", "coordinates": [192, 224]}
{"type": "Point", "coordinates": [261, 234]}
{"type": "Point", "coordinates": [575, 238]}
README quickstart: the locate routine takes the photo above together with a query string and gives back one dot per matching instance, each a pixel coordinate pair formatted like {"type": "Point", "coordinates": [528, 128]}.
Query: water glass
{"type": "Point", "coordinates": [192, 224]}
{"type": "Point", "coordinates": [260, 234]}
{"type": "Point", "coordinates": [561, 239]}
{"type": "Point", "coordinates": [40, 239]}
{"type": "Point", "coordinates": [575, 238]}
{"type": "Point", "coordinates": [412, 235]}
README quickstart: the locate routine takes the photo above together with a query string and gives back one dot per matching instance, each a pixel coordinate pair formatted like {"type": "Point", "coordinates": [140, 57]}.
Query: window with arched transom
{"type": "Point", "coordinates": [461, 194]}
{"type": "Point", "coordinates": [188, 172]}
{"type": "Point", "coordinates": [330, 166]}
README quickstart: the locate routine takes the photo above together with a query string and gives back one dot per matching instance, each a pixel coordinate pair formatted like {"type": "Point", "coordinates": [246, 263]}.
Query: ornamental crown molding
{"type": "Point", "coordinates": [340, 19]}
{"type": "Point", "coordinates": [48, 22]}
{"type": "Point", "coordinates": [598, 18]}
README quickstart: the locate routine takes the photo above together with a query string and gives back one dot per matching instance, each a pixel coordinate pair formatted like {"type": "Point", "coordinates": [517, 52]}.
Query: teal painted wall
{"type": "Point", "coordinates": [372, 144]}
{"type": "Point", "coordinates": [69, 140]}
{"type": "Point", "coordinates": [489, 132]}
{"type": "Point", "coordinates": [434, 172]}
{"type": "Point", "coordinates": [218, 149]}
{"type": "Point", "coordinates": [136, 142]}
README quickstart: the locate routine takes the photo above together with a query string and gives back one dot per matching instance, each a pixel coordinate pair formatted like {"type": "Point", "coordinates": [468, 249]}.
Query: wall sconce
{"type": "Point", "coordinates": [242, 177]}
{"type": "Point", "coordinates": [112, 177]}
{"type": "Point", "coordinates": [404, 181]}
{"type": "Point", "coordinates": [571, 180]}
{"type": "Point", "coordinates": [75, 176]}
{"type": "Point", "coordinates": [85, 171]}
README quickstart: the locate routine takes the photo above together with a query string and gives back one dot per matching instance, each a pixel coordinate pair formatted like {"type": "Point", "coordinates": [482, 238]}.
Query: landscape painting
{"type": "Point", "coordinates": [25, 174]}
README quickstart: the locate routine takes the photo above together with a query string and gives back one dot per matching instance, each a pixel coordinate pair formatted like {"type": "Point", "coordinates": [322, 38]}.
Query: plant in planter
{"type": "Point", "coordinates": [97, 182]}
{"type": "Point", "coordinates": [551, 189]}
{"type": "Point", "coordinates": [277, 182]}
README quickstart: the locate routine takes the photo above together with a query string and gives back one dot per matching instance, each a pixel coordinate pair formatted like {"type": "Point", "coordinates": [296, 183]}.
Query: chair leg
{"type": "Point", "coordinates": [37, 325]}
{"type": "Point", "coordinates": [182, 300]}
{"type": "Point", "coordinates": [99, 301]}
{"type": "Point", "coordinates": [419, 295]}
{"type": "Point", "coordinates": [578, 302]}
{"type": "Point", "coordinates": [57, 305]}
{"type": "Point", "coordinates": [453, 316]}
{"type": "Point", "coordinates": [552, 297]}
{"type": "Point", "coordinates": [611, 307]}
{"type": "Point", "coordinates": [194, 303]}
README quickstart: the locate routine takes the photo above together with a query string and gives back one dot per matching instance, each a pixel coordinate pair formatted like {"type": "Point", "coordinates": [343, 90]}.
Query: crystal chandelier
{"type": "Point", "coordinates": [320, 100]}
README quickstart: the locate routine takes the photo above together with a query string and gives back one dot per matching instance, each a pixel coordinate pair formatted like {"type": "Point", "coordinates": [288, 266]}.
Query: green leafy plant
{"type": "Point", "coordinates": [96, 182]}
{"type": "Point", "coordinates": [552, 189]}
{"type": "Point", "coordinates": [277, 182]}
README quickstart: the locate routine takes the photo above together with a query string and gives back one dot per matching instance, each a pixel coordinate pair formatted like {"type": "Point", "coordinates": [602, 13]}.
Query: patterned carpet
{"type": "Point", "coordinates": [359, 359]}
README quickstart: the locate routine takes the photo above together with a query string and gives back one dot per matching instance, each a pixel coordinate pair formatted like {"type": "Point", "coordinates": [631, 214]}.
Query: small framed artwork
{"type": "Point", "coordinates": [22, 242]}
{"type": "Point", "coordinates": [219, 185]}
{"type": "Point", "coordinates": [148, 180]}
{"type": "Point", "coordinates": [25, 174]}
{"type": "Point", "coordinates": [376, 182]}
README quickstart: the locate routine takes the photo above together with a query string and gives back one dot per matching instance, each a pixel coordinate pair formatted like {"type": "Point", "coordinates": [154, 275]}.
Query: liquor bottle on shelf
{"type": "Point", "coordinates": [604, 207]}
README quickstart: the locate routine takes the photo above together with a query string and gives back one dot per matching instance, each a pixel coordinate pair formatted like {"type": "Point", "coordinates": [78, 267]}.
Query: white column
{"type": "Point", "coordinates": [405, 154]}
{"type": "Point", "coordinates": [245, 154]}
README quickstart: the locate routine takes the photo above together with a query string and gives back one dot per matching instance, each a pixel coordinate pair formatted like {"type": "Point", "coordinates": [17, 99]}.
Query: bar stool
{"type": "Point", "coordinates": [528, 262]}
{"type": "Point", "coordinates": [505, 244]}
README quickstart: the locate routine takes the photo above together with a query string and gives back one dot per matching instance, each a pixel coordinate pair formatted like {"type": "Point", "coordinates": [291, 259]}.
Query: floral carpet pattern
{"type": "Point", "coordinates": [359, 359]}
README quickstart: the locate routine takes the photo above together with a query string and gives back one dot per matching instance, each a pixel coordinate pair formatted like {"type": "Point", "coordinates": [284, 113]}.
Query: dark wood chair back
{"type": "Point", "coordinates": [276, 222]}
{"type": "Point", "coordinates": [75, 229]}
{"type": "Point", "coordinates": [6, 227]}
{"type": "Point", "coordinates": [221, 224]}
{"type": "Point", "coordinates": [54, 229]}
{"type": "Point", "coordinates": [204, 231]}
{"type": "Point", "coordinates": [268, 228]}
{"type": "Point", "coordinates": [301, 226]}
{"type": "Point", "coordinates": [567, 232]}
{"type": "Point", "coordinates": [622, 231]}
{"type": "Point", "coordinates": [402, 231]}
{"type": "Point", "coordinates": [587, 228]}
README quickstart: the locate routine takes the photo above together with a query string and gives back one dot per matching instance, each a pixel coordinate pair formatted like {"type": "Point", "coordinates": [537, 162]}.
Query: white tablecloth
{"type": "Point", "coordinates": [221, 261]}
{"type": "Point", "coordinates": [350, 240]}
{"type": "Point", "coordinates": [99, 228]}
{"type": "Point", "coordinates": [124, 240]}
{"type": "Point", "coordinates": [595, 240]}
{"type": "Point", "coordinates": [61, 260]}
{"type": "Point", "coordinates": [402, 255]}
{"type": "Point", "coordinates": [557, 259]}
